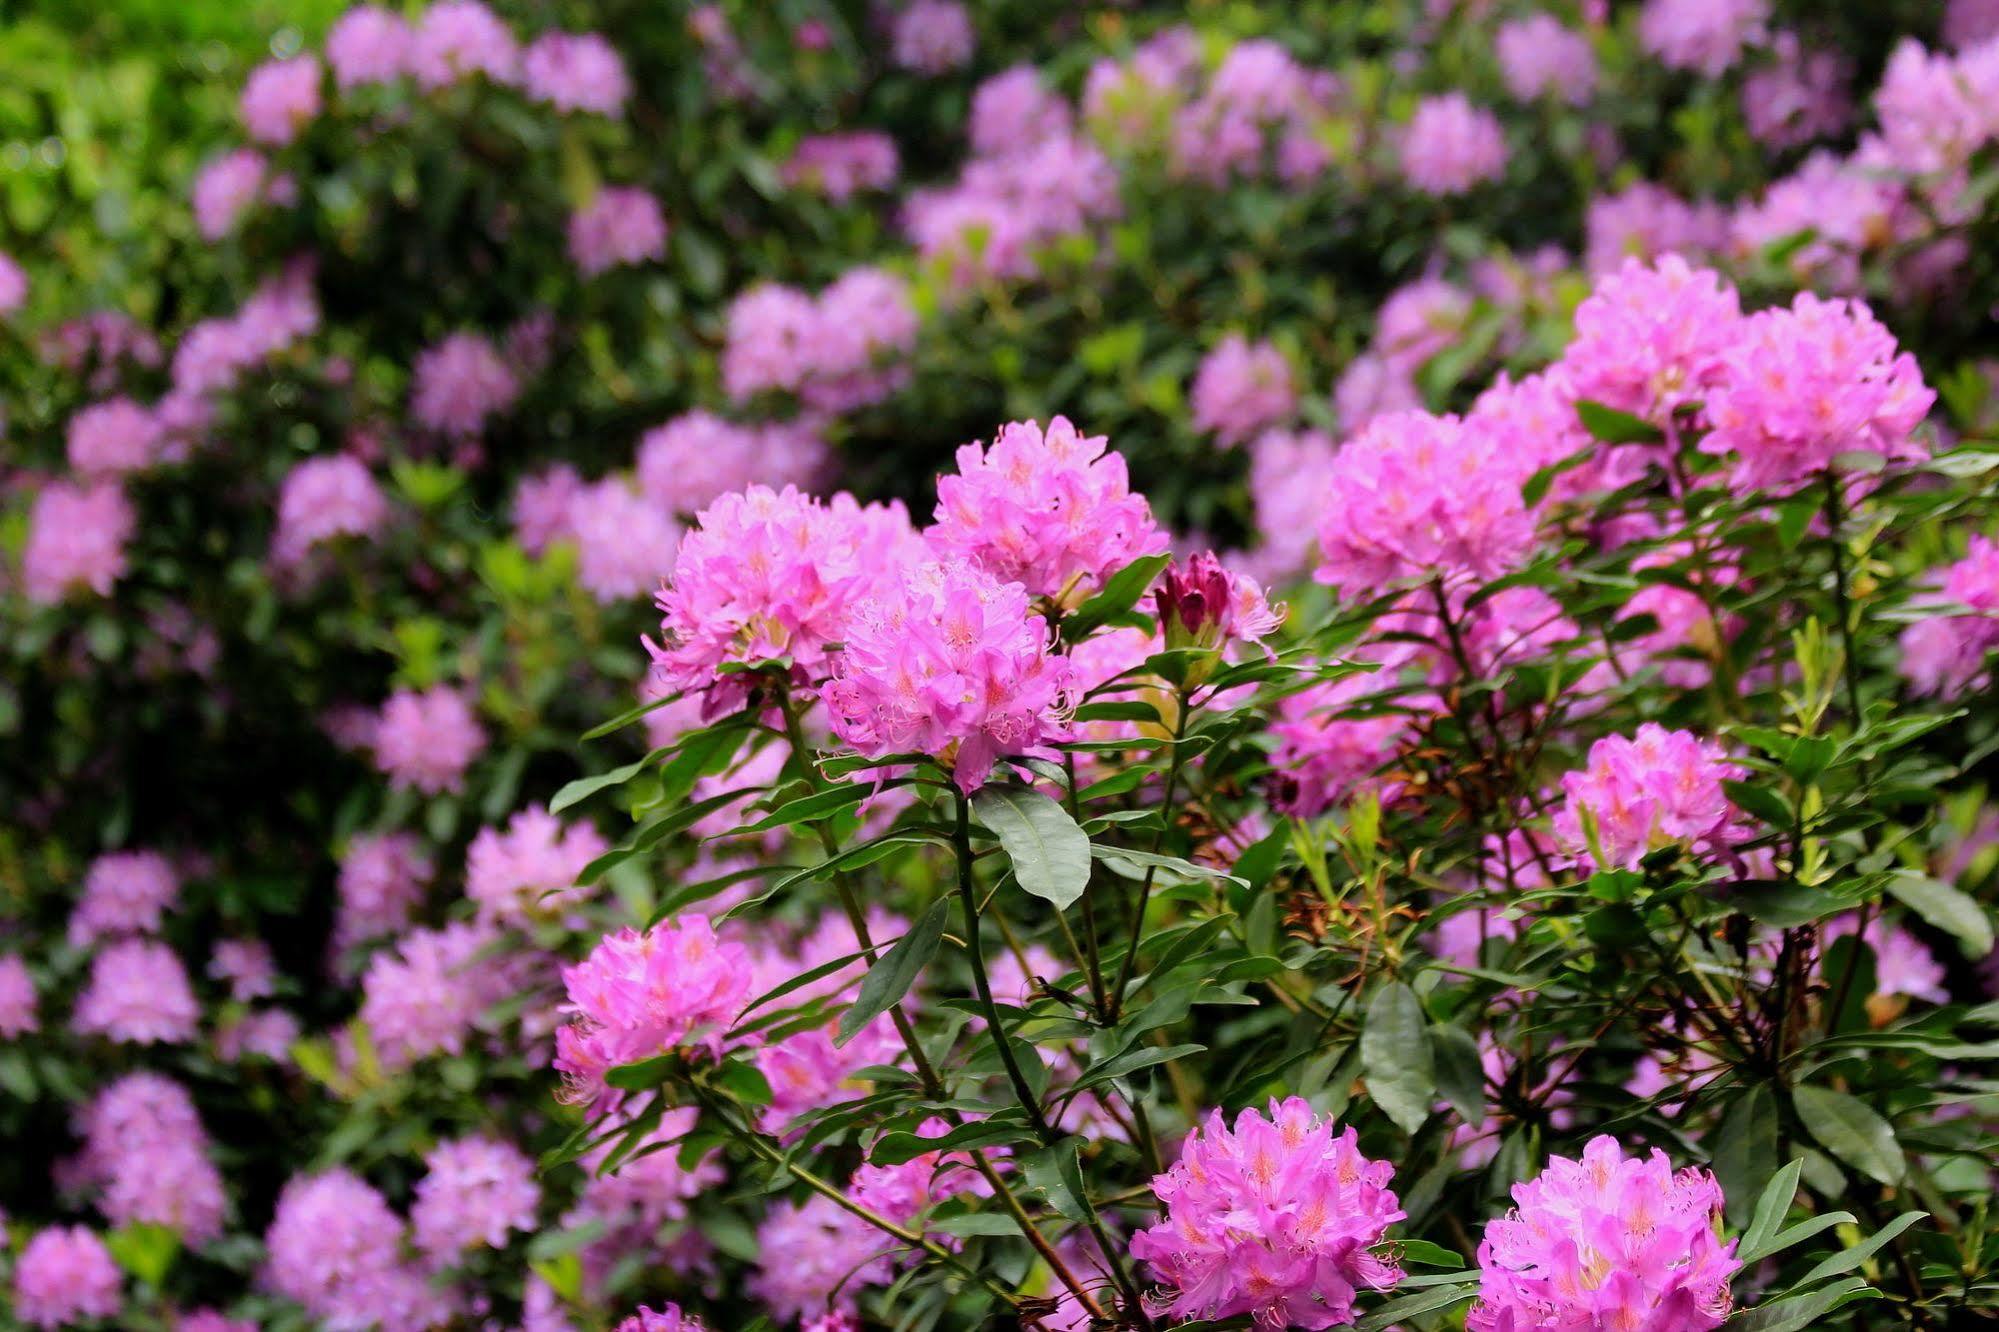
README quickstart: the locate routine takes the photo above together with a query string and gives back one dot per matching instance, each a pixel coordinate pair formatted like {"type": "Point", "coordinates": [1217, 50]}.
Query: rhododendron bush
{"type": "Point", "coordinates": [936, 666]}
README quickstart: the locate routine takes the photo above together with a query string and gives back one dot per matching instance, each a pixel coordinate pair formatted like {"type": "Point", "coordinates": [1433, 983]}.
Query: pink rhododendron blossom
{"type": "Point", "coordinates": [1904, 968]}
{"type": "Point", "coordinates": [1421, 496]}
{"type": "Point", "coordinates": [1373, 386]}
{"type": "Point", "coordinates": [1651, 340]}
{"type": "Point", "coordinates": [1014, 110]}
{"type": "Point", "coordinates": [13, 284]}
{"type": "Point", "coordinates": [456, 39]}
{"type": "Point", "coordinates": [335, 1248]}
{"type": "Point", "coordinates": [951, 662]}
{"type": "Point", "coordinates": [1606, 1241]}
{"type": "Point", "coordinates": [1276, 1217]}
{"type": "Point", "coordinates": [625, 543]}
{"type": "Point", "coordinates": [1203, 604]}
{"type": "Point", "coordinates": [1639, 794]}
{"type": "Point", "coordinates": [111, 438]}
{"type": "Point", "coordinates": [1260, 114]}
{"type": "Point", "coordinates": [816, 1258]}
{"type": "Point", "coordinates": [65, 1275]}
{"type": "Point", "coordinates": [1287, 474]}
{"type": "Point", "coordinates": [767, 574]}
{"type": "Point", "coordinates": [1052, 510]}
{"type": "Point", "coordinates": [839, 351]}
{"type": "Point", "coordinates": [1931, 117]}
{"type": "Point", "coordinates": [428, 994]}
{"type": "Point", "coordinates": [138, 995]}
{"type": "Point", "coordinates": [576, 72]}
{"type": "Point", "coordinates": [1847, 212]}
{"type": "Point", "coordinates": [770, 333]}
{"type": "Point", "coordinates": [17, 999]}
{"type": "Point", "coordinates": [382, 878]}
{"type": "Point", "coordinates": [1946, 653]}
{"type": "Point", "coordinates": [1418, 320]}
{"type": "Point", "coordinates": [323, 500]}
{"type": "Point", "coordinates": [247, 966]}
{"type": "Point", "coordinates": [279, 98]}
{"type": "Point", "coordinates": [1799, 97]}
{"type": "Point", "coordinates": [529, 871]}
{"type": "Point", "coordinates": [1324, 757]}
{"type": "Point", "coordinates": [668, 1319]}
{"type": "Point", "coordinates": [1006, 216]}
{"type": "Point", "coordinates": [427, 739]}
{"type": "Point", "coordinates": [368, 44]}
{"type": "Point", "coordinates": [1538, 56]}
{"type": "Point", "coordinates": [267, 1034]}
{"type": "Point", "coordinates": [1450, 146]}
{"type": "Point", "coordinates": [932, 36]}
{"type": "Point", "coordinates": [148, 1160]}
{"type": "Point", "coordinates": [1645, 222]}
{"type": "Point", "coordinates": [76, 541]}
{"type": "Point", "coordinates": [1242, 387]}
{"type": "Point", "coordinates": [697, 457]}
{"type": "Point", "coordinates": [619, 226]}
{"type": "Point", "coordinates": [1808, 384]}
{"type": "Point", "coordinates": [1704, 36]}
{"type": "Point", "coordinates": [674, 987]}
{"type": "Point", "coordinates": [543, 507]}
{"type": "Point", "coordinates": [476, 1191]}
{"type": "Point", "coordinates": [460, 384]}
{"type": "Point", "coordinates": [124, 892]}
{"type": "Point", "coordinates": [840, 166]}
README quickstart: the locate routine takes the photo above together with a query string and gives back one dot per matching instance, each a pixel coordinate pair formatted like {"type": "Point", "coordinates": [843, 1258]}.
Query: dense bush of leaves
{"type": "Point", "coordinates": [1615, 779]}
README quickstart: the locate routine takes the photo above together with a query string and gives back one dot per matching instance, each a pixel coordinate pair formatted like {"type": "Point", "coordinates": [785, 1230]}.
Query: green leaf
{"type": "Point", "coordinates": [1615, 427]}
{"type": "Point", "coordinates": [1771, 1207]}
{"type": "Point", "coordinates": [1797, 1234]}
{"type": "Point", "coordinates": [1131, 1061]}
{"type": "Point", "coordinates": [584, 787]}
{"type": "Point", "coordinates": [1050, 854]}
{"type": "Point", "coordinates": [975, 1224]}
{"type": "Point", "coordinates": [1745, 1154]}
{"type": "Point", "coordinates": [1848, 1259]}
{"type": "Point", "coordinates": [1395, 1057]}
{"type": "Point", "coordinates": [895, 971]}
{"type": "Point", "coordinates": [1460, 1074]}
{"type": "Point", "coordinates": [1132, 864]}
{"type": "Point", "coordinates": [628, 716]}
{"type": "Point", "coordinates": [1118, 596]}
{"type": "Point", "coordinates": [812, 808]}
{"type": "Point", "coordinates": [1801, 1311]}
{"type": "Point", "coordinates": [1761, 801]}
{"type": "Point", "coordinates": [1851, 1130]}
{"type": "Point", "coordinates": [1945, 907]}
{"type": "Point", "coordinates": [1412, 1306]}
{"type": "Point", "coordinates": [896, 1148]}
{"type": "Point", "coordinates": [1058, 1176]}
{"type": "Point", "coordinates": [1425, 1254]}
{"type": "Point", "coordinates": [144, 1249]}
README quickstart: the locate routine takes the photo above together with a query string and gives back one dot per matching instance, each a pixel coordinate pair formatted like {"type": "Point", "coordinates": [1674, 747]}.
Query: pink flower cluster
{"type": "Point", "coordinates": [76, 541]}
{"type": "Point", "coordinates": [426, 739]}
{"type": "Point", "coordinates": [1015, 109]}
{"type": "Point", "coordinates": [1606, 1241]}
{"type": "Point", "coordinates": [1538, 56]}
{"type": "Point", "coordinates": [1946, 652]}
{"type": "Point", "coordinates": [323, 500]}
{"type": "Point", "coordinates": [1052, 510]}
{"type": "Point", "coordinates": [431, 992]}
{"type": "Point", "coordinates": [529, 872]}
{"type": "Point", "coordinates": [842, 350]}
{"type": "Point", "coordinates": [137, 994]}
{"type": "Point", "coordinates": [840, 166]}
{"type": "Point", "coordinates": [951, 662]}
{"type": "Point", "coordinates": [1007, 216]}
{"type": "Point", "coordinates": [1651, 340]}
{"type": "Point", "coordinates": [932, 36]}
{"type": "Point", "coordinates": [1704, 36]}
{"type": "Point", "coordinates": [475, 1192]}
{"type": "Point", "coordinates": [457, 39]}
{"type": "Point", "coordinates": [335, 1247]}
{"type": "Point", "coordinates": [460, 384]}
{"type": "Point", "coordinates": [1451, 147]}
{"type": "Point", "coordinates": [697, 457]}
{"type": "Point", "coordinates": [280, 98]}
{"type": "Point", "coordinates": [124, 892]}
{"type": "Point", "coordinates": [625, 542]}
{"type": "Point", "coordinates": [228, 187]}
{"type": "Point", "coordinates": [1260, 114]}
{"type": "Point", "coordinates": [382, 878]}
{"type": "Point", "coordinates": [1277, 1217]}
{"type": "Point", "coordinates": [1323, 755]}
{"type": "Point", "coordinates": [1639, 794]}
{"type": "Point", "coordinates": [17, 999]}
{"type": "Point", "coordinates": [112, 438]}
{"type": "Point", "coordinates": [668, 1319]}
{"type": "Point", "coordinates": [65, 1275]}
{"type": "Point", "coordinates": [620, 226]}
{"type": "Point", "coordinates": [576, 72]}
{"type": "Point", "coordinates": [675, 987]}
{"type": "Point", "coordinates": [368, 44]}
{"type": "Point", "coordinates": [1241, 388]}
{"type": "Point", "coordinates": [148, 1160]}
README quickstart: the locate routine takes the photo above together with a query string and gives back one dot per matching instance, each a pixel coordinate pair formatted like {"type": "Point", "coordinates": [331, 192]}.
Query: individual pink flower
{"type": "Point", "coordinates": [124, 892]}
{"type": "Point", "coordinates": [148, 1159]}
{"type": "Point", "coordinates": [1653, 339]}
{"type": "Point", "coordinates": [767, 574]}
{"type": "Point", "coordinates": [335, 1248]}
{"type": "Point", "coordinates": [1418, 320]}
{"type": "Point", "coordinates": [1287, 474]}
{"type": "Point", "coordinates": [529, 871]}
{"type": "Point", "coordinates": [459, 38]}
{"type": "Point", "coordinates": [1241, 388]}
{"type": "Point", "coordinates": [1808, 384]}
{"type": "Point", "coordinates": [1373, 386]}
{"type": "Point", "coordinates": [1537, 56]}
{"type": "Point", "coordinates": [932, 36]}
{"type": "Point", "coordinates": [1704, 36]}
{"type": "Point", "coordinates": [17, 999]}
{"type": "Point", "coordinates": [280, 98]}
{"type": "Point", "coordinates": [625, 543]}
{"type": "Point", "coordinates": [323, 500]}
{"type": "Point", "coordinates": [383, 877]}
{"type": "Point", "coordinates": [668, 1319]}
{"type": "Point", "coordinates": [543, 504]}
{"type": "Point", "coordinates": [1451, 147]}
{"type": "Point", "coordinates": [576, 72]}
{"type": "Point", "coordinates": [431, 992]}
{"type": "Point", "coordinates": [138, 995]}
{"type": "Point", "coordinates": [1606, 1241]}
{"type": "Point", "coordinates": [839, 166]}
{"type": "Point", "coordinates": [427, 739]}
{"type": "Point", "coordinates": [697, 457]}
{"type": "Point", "coordinates": [1277, 1218]}
{"type": "Point", "coordinates": [771, 328]}
{"type": "Point", "coordinates": [475, 1191]}
{"type": "Point", "coordinates": [226, 189]}
{"type": "Point", "coordinates": [1013, 110]}
{"type": "Point", "coordinates": [1640, 794]}
{"type": "Point", "coordinates": [1202, 604]}
{"type": "Point", "coordinates": [674, 987]}
{"type": "Point", "coordinates": [461, 382]}
{"type": "Point", "coordinates": [1416, 496]}
{"type": "Point", "coordinates": [368, 44]}
{"type": "Point", "coordinates": [1904, 968]}
{"type": "Point", "coordinates": [948, 661]}
{"type": "Point", "coordinates": [65, 1275]}
{"type": "Point", "coordinates": [111, 438]}
{"type": "Point", "coordinates": [1052, 510]}
{"type": "Point", "coordinates": [1946, 653]}
{"type": "Point", "coordinates": [76, 541]}
{"type": "Point", "coordinates": [247, 966]}
{"type": "Point", "coordinates": [619, 226]}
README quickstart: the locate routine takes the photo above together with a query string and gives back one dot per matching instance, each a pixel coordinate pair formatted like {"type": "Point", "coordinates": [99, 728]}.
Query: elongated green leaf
{"type": "Point", "coordinates": [1131, 1061]}
{"type": "Point", "coordinates": [896, 1148]}
{"type": "Point", "coordinates": [1945, 907]}
{"type": "Point", "coordinates": [1615, 427]}
{"type": "Point", "coordinates": [895, 971]}
{"type": "Point", "coordinates": [812, 808]}
{"type": "Point", "coordinates": [1395, 1057]}
{"type": "Point", "coordinates": [1794, 1236]}
{"type": "Point", "coordinates": [584, 787]}
{"type": "Point", "coordinates": [1133, 864]}
{"type": "Point", "coordinates": [1058, 1176]}
{"type": "Point", "coordinates": [1849, 1129]}
{"type": "Point", "coordinates": [1118, 596]}
{"type": "Point", "coordinates": [1460, 1075]}
{"type": "Point", "coordinates": [1800, 1311]}
{"type": "Point", "coordinates": [1771, 1206]}
{"type": "Point", "coordinates": [1050, 854]}
{"type": "Point", "coordinates": [628, 716]}
{"type": "Point", "coordinates": [1413, 1306]}
{"type": "Point", "coordinates": [1745, 1153]}
{"type": "Point", "coordinates": [1848, 1259]}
